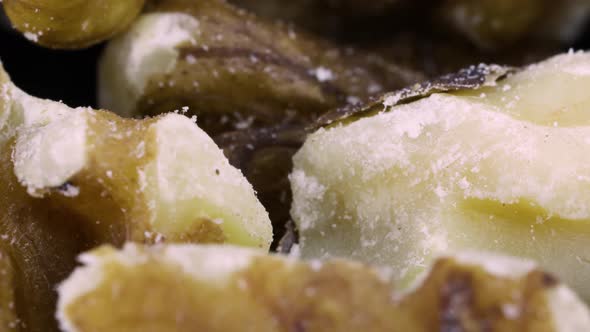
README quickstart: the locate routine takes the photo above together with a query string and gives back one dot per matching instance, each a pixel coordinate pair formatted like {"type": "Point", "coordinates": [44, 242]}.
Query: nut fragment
{"type": "Point", "coordinates": [71, 23]}
{"type": "Point", "coordinates": [71, 179]}
{"type": "Point", "coordinates": [234, 70]}
{"type": "Point", "coordinates": [215, 288]}
{"type": "Point", "coordinates": [501, 168]}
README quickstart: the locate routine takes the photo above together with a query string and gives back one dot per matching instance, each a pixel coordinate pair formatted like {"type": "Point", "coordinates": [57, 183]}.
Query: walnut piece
{"type": "Point", "coordinates": [502, 168]}
{"type": "Point", "coordinates": [225, 288]}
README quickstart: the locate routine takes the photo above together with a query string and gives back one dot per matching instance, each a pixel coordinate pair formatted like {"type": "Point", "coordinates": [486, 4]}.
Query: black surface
{"type": "Point", "coordinates": [69, 76]}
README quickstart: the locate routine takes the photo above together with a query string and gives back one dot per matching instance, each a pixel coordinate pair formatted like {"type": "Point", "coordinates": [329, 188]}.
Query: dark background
{"type": "Point", "coordinates": [70, 76]}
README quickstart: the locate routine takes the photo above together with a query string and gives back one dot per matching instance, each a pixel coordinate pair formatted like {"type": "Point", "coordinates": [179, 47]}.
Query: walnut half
{"type": "Point", "coordinates": [224, 288]}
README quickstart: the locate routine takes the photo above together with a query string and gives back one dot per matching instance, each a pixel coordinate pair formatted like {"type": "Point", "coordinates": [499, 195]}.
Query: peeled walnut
{"type": "Point", "coordinates": [233, 70]}
{"type": "Point", "coordinates": [71, 179]}
{"type": "Point", "coordinates": [215, 288]}
{"type": "Point", "coordinates": [71, 23]}
{"type": "Point", "coordinates": [485, 160]}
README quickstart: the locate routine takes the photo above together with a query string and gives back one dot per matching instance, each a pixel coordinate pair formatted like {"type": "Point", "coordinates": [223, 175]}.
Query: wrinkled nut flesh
{"type": "Point", "coordinates": [71, 23]}
{"type": "Point", "coordinates": [501, 168]}
{"type": "Point", "coordinates": [196, 288]}
{"type": "Point", "coordinates": [71, 179]}
{"type": "Point", "coordinates": [233, 70]}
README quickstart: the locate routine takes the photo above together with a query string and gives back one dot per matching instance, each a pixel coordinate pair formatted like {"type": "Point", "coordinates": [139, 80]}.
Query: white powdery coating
{"type": "Point", "coordinates": [396, 181]}
{"type": "Point", "coordinates": [551, 93]}
{"type": "Point", "coordinates": [442, 120]}
{"type": "Point", "coordinates": [51, 142]}
{"type": "Point", "coordinates": [308, 188]}
{"type": "Point", "coordinates": [148, 48]}
{"type": "Point", "coordinates": [34, 111]}
{"type": "Point", "coordinates": [213, 264]}
{"type": "Point", "coordinates": [192, 176]}
{"type": "Point", "coordinates": [575, 63]}
{"type": "Point", "coordinates": [186, 165]}
{"type": "Point", "coordinates": [6, 130]}
{"type": "Point", "coordinates": [50, 138]}
{"type": "Point", "coordinates": [391, 100]}
{"type": "Point", "coordinates": [31, 36]}
{"type": "Point", "coordinates": [323, 74]}
{"type": "Point", "coordinates": [497, 265]}
{"type": "Point", "coordinates": [82, 281]}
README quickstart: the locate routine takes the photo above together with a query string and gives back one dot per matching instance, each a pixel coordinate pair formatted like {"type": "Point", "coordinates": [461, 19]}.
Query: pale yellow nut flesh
{"type": "Point", "coordinates": [149, 48]}
{"type": "Point", "coordinates": [72, 179]}
{"type": "Point", "coordinates": [502, 168]}
{"type": "Point", "coordinates": [224, 288]}
{"type": "Point", "coordinates": [71, 23]}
